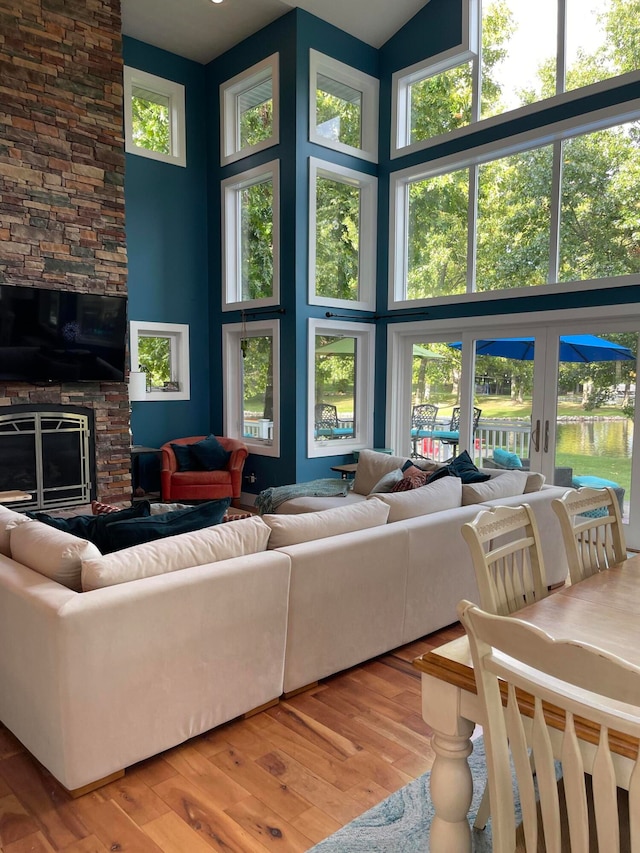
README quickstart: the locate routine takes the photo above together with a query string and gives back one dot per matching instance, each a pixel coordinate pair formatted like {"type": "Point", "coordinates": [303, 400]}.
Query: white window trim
{"type": "Point", "coordinates": [230, 149]}
{"type": "Point", "coordinates": [232, 334]}
{"type": "Point", "coordinates": [178, 334]}
{"type": "Point", "coordinates": [176, 94]}
{"type": "Point", "coordinates": [398, 204]}
{"type": "Point", "coordinates": [364, 379]}
{"type": "Point", "coordinates": [319, 63]}
{"type": "Point", "coordinates": [231, 246]}
{"type": "Point", "coordinates": [402, 80]}
{"type": "Point", "coordinates": [368, 185]}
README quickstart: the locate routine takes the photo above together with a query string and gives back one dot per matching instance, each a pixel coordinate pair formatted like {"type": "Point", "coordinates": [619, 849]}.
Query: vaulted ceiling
{"type": "Point", "coordinates": [201, 30]}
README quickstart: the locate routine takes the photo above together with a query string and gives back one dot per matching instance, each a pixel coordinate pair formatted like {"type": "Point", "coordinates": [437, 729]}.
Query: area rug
{"type": "Point", "coordinates": [400, 824]}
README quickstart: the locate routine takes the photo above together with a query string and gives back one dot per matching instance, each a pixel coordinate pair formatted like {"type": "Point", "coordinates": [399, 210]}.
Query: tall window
{"type": "Point", "coordinates": [251, 237]}
{"type": "Point", "coordinates": [342, 236]}
{"type": "Point", "coordinates": [509, 58]}
{"type": "Point", "coordinates": [563, 212]}
{"type": "Point", "coordinates": [249, 114]}
{"type": "Point", "coordinates": [251, 359]}
{"type": "Point", "coordinates": [154, 117]}
{"type": "Point", "coordinates": [161, 352]}
{"type": "Point", "coordinates": [341, 358]}
{"type": "Point", "coordinates": [343, 107]}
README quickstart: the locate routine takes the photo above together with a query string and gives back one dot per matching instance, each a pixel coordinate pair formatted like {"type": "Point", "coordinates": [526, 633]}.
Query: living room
{"type": "Point", "coordinates": [66, 192]}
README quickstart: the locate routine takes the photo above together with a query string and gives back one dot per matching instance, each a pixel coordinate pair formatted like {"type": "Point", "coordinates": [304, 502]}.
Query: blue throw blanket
{"type": "Point", "coordinates": [269, 499]}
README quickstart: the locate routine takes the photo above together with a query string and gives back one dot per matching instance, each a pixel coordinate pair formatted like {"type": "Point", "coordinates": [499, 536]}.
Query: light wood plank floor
{"type": "Point", "coordinates": [281, 780]}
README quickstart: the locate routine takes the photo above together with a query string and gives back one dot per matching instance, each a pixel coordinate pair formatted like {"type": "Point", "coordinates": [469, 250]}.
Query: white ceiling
{"type": "Point", "coordinates": [201, 30]}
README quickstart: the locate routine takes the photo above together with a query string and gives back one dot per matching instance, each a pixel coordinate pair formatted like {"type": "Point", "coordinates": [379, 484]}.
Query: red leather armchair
{"type": "Point", "coordinates": [202, 485]}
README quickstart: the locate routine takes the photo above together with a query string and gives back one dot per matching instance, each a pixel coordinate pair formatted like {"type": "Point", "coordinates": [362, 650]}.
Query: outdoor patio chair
{"type": "Point", "coordinates": [452, 435]}
{"type": "Point", "coordinates": [327, 423]}
{"type": "Point", "coordinates": [591, 529]}
{"type": "Point", "coordinates": [507, 558]}
{"type": "Point", "coordinates": [423, 419]}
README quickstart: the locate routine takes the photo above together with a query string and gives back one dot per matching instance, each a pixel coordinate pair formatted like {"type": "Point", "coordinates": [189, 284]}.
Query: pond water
{"type": "Point", "coordinates": [611, 437]}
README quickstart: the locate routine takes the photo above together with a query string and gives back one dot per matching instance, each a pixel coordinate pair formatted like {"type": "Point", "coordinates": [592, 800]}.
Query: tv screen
{"type": "Point", "coordinates": [61, 336]}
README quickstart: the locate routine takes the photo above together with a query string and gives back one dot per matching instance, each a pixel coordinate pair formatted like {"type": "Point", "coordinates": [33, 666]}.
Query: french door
{"type": "Point", "coordinates": [573, 420]}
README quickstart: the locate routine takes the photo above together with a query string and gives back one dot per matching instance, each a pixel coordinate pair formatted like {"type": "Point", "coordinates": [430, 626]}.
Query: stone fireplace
{"type": "Point", "coordinates": [62, 194]}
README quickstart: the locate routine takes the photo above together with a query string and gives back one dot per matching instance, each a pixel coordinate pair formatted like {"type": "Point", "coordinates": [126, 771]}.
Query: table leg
{"type": "Point", "coordinates": [451, 792]}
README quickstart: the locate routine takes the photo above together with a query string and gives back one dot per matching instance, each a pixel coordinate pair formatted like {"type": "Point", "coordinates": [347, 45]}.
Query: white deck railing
{"type": "Point", "coordinates": [513, 436]}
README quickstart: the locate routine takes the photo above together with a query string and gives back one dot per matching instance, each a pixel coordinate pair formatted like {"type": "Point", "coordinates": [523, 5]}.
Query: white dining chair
{"type": "Point", "coordinates": [507, 559]}
{"type": "Point", "coordinates": [565, 702]}
{"type": "Point", "coordinates": [591, 526]}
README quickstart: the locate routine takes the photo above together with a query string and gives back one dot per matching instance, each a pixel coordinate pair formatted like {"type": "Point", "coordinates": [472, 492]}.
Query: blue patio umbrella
{"type": "Point", "coordinates": [579, 348]}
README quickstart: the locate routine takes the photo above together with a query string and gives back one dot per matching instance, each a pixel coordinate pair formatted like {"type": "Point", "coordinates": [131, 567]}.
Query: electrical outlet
{"type": "Point", "coordinates": [250, 478]}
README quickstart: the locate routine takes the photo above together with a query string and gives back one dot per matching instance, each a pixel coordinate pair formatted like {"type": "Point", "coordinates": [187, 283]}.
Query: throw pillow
{"type": "Point", "coordinates": [504, 486]}
{"type": "Point", "coordinates": [8, 517]}
{"type": "Point", "coordinates": [56, 554]}
{"type": "Point", "coordinates": [434, 497]}
{"type": "Point", "coordinates": [505, 459]}
{"type": "Point", "coordinates": [134, 531]}
{"type": "Point", "coordinates": [98, 508]}
{"type": "Point", "coordinates": [197, 548]}
{"type": "Point", "coordinates": [185, 459]}
{"type": "Point", "coordinates": [211, 454]}
{"type": "Point", "coordinates": [462, 466]}
{"type": "Point", "coordinates": [309, 526]}
{"type": "Point", "coordinates": [413, 478]}
{"type": "Point", "coordinates": [387, 482]}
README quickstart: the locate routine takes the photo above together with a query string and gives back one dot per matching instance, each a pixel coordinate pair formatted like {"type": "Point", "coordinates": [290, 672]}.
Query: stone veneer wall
{"type": "Point", "coordinates": [62, 185]}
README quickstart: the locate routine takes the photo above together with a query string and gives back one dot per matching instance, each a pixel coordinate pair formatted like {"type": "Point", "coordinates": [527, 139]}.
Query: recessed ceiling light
{"type": "Point", "coordinates": [216, 1]}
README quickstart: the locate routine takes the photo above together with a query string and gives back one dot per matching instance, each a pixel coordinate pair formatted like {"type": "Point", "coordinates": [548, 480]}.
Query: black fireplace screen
{"type": "Point", "coordinates": [46, 454]}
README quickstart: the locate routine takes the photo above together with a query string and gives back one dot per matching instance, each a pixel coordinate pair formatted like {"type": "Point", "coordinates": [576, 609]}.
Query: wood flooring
{"type": "Point", "coordinates": [281, 780]}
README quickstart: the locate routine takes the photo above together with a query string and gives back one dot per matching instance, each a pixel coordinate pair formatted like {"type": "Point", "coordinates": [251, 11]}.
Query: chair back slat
{"type": "Point", "coordinates": [504, 545]}
{"type": "Point", "coordinates": [560, 695]}
{"type": "Point", "coordinates": [592, 531]}
{"type": "Point", "coordinates": [424, 416]}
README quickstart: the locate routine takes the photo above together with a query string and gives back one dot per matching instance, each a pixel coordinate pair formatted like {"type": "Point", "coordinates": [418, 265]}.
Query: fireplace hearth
{"type": "Point", "coordinates": [48, 451]}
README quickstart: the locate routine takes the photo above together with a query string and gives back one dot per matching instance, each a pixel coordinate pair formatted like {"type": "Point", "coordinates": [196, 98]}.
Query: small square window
{"type": "Point", "coordinates": [249, 111]}
{"type": "Point", "coordinates": [343, 107]}
{"type": "Point", "coordinates": [161, 352]}
{"type": "Point", "coordinates": [154, 117]}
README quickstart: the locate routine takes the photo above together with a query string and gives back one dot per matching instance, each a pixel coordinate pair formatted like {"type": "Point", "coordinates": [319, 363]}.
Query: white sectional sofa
{"type": "Point", "coordinates": [175, 637]}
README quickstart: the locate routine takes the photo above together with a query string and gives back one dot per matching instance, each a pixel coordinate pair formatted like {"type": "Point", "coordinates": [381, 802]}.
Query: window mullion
{"type": "Point", "coordinates": [472, 229]}
{"type": "Point", "coordinates": [556, 192]}
{"type": "Point", "coordinates": [561, 57]}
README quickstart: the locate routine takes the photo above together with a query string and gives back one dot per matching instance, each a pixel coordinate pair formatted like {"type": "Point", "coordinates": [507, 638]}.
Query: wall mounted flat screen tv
{"type": "Point", "coordinates": [61, 336]}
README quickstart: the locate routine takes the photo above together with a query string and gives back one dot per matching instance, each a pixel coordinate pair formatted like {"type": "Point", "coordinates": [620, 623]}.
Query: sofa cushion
{"type": "Point", "coordinates": [8, 517]}
{"type": "Point", "coordinates": [373, 465]}
{"type": "Point", "coordinates": [506, 459]}
{"type": "Point", "coordinates": [135, 531]}
{"type": "Point", "coordinates": [504, 486]}
{"type": "Point", "coordinates": [306, 527]}
{"type": "Point", "coordinates": [211, 454]}
{"type": "Point", "coordinates": [54, 553]}
{"type": "Point", "coordinates": [197, 548]}
{"type": "Point", "coordinates": [442, 495]}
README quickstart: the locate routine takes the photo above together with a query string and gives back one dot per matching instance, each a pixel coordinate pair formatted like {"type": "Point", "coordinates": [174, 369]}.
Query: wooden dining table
{"type": "Point", "coordinates": [603, 610]}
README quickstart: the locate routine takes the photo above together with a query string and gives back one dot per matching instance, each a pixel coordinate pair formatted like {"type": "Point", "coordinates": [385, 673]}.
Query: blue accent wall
{"type": "Point", "coordinates": [168, 251]}
{"type": "Point", "coordinates": [173, 219]}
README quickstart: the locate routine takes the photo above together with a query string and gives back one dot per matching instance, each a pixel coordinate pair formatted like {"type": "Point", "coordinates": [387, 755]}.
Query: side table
{"type": "Point", "coordinates": [345, 470]}
{"type": "Point", "coordinates": [136, 452]}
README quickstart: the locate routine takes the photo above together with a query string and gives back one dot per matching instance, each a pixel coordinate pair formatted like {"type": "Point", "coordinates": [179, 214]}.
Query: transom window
{"type": "Point", "coordinates": [249, 110]}
{"type": "Point", "coordinates": [343, 107]}
{"type": "Point", "coordinates": [251, 245]}
{"type": "Point", "coordinates": [154, 117]}
{"type": "Point", "coordinates": [513, 55]}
